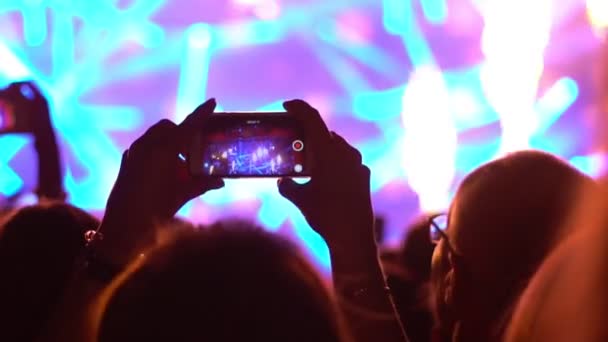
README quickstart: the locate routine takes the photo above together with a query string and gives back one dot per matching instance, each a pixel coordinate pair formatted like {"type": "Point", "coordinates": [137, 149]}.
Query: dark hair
{"type": "Point", "coordinates": [229, 282]}
{"type": "Point", "coordinates": [505, 219]}
{"type": "Point", "coordinates": [39, 248]}
{"type": "Point", "coordinates": [519, 201]}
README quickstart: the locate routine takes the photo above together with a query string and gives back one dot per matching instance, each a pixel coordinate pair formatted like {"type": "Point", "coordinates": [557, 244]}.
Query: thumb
{"type": "Point", "coordinates": [198, 186]}
{"type": "Point", "coordinates": [124, 162]}
{"type": "Point", "coordinates": [292, 191]}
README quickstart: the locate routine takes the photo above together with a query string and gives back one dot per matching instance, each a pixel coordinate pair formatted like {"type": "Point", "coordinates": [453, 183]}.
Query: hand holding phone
{"type": "Point", "coordinates": [250, 145]}
{"type": "Point", "coordinates": [337, 200]}
{"type": "Point", "coordinates": [152, 185]}
{"type": "Point", "coordinates": [24, 109]}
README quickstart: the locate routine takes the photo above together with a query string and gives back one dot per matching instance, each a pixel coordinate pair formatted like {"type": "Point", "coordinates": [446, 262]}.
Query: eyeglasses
{"type": "Point", "coordinates": [437, 225]}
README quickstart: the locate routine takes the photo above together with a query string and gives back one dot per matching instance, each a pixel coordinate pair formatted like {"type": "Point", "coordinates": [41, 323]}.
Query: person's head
{"type": "Point", "coordinates": [502, 223]}
{"type": "Point", "coordinates": [39, 249]}
{"type": "Point", "coordinates": [566, 299]}
{"type": "Point", "coordinates": [557, 304]}
{"type": "Point", "coordinates": [230, 282]}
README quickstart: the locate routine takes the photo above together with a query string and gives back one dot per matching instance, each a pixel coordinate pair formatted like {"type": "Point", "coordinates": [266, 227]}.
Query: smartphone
{"type": "Point", "coordinates": [250, 144]}
{"type": "Point", "coordinates": [15, 108]}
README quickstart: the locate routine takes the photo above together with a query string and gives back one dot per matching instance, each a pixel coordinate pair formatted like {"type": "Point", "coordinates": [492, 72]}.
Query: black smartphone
{"type": "Point", "coordinates": [250, 144]}
{"type": "Point", "coordinates": [15, 108]}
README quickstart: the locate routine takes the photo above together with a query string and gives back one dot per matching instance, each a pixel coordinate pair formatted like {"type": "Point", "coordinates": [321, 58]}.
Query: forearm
{"type": "Point", "coordinates": [125, 236]}
{"type": "Point", "coordinates": [363, 295]}
{"type": "Point", "coordinates": [50, 178]}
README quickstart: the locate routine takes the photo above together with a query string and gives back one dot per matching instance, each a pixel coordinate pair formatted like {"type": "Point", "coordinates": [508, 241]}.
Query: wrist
{"type": "Point", "coordinates": [54, 193]}
{"type": "Point", "coordinates": [370, 298]}
{"type": "Point", "coordinates": [359, 241]}
{"type": "Point", "coordinates": [125, 237]}
{"type": "Point", "coordinates": [97, 266]}
{"type": "Point", "coordinates": [362, 258]}
{"type": "Point", "coordinates": [361, 287]}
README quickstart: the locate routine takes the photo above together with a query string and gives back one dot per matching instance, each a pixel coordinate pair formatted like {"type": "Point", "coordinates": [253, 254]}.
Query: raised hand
{"type": "Point", "coordinates": [153, 182]}
{"type": "Point", "coordinates": [32, 109]}
{"type": "Point", "coordinates": [336, 202]}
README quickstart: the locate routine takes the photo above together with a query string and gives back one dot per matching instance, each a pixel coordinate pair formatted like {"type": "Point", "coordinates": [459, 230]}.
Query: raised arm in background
{"type": "Point", "coordinates": [50, 172]}
{"type": "Point", "coordinates": [32, 115]}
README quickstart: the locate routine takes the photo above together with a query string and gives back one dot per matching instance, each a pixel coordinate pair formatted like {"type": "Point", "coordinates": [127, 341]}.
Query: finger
{"type": "Point", "coordinates": [123, 162]}
{"type": "Point", "coordinates": [367, 174]}
{"type": "Point", "coordinates": [317, 133]}
{"type": "Point", "coordinates": [191, 187]}
{"type": "Point", "coordinates": [158, 130]}
{"type": "Point", "coordinates": [122, 173]}
{"type": "Point", "coordinates": [294, 192]}
{"type": "Point", "coordinates": [347, 149]}
{"type": "Point", "coordinates": [195, 122]}
{"type": "Point", "coordinates": [366, 179]}
{"type": "Point", "coordinates": [199, 115]}
{"type": "Point", "coordinates": [198, 186]}
{"type": "Point", "coordinates": [162, 131]}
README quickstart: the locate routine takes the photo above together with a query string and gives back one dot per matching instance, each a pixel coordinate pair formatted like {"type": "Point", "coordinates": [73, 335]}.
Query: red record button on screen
{"type": "Point", "coordinates": [298, 145]}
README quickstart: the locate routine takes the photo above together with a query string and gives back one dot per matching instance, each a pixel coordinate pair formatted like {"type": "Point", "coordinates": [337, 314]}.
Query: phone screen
{"type": "Point", "coordinates": [252, 145]}
{"type": "Point", "coordinates": [7, 116]}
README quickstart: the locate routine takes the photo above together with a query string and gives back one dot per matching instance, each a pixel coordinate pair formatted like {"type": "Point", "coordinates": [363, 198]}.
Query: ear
{"type": "Point", "coordinates": [445, 310]}
{"type": "Point", "coordinates": [449, 283]}
{"type": "Point", "coordinates": [459, 289]}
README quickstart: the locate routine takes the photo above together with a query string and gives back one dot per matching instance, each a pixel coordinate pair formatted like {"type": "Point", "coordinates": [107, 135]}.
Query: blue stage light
{"type": "Point", "coordinates": [10, 182]}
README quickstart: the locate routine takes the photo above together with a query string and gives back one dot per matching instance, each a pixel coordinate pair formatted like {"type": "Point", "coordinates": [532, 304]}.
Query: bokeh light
{"type": "Point", "coordinates": [429, 144]}
{"type": "Point", "coordinates": [597, 11]}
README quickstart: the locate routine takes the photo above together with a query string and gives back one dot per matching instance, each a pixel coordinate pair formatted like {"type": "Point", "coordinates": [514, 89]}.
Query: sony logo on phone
{"type": "Point", "coordinates": [253, 122]}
